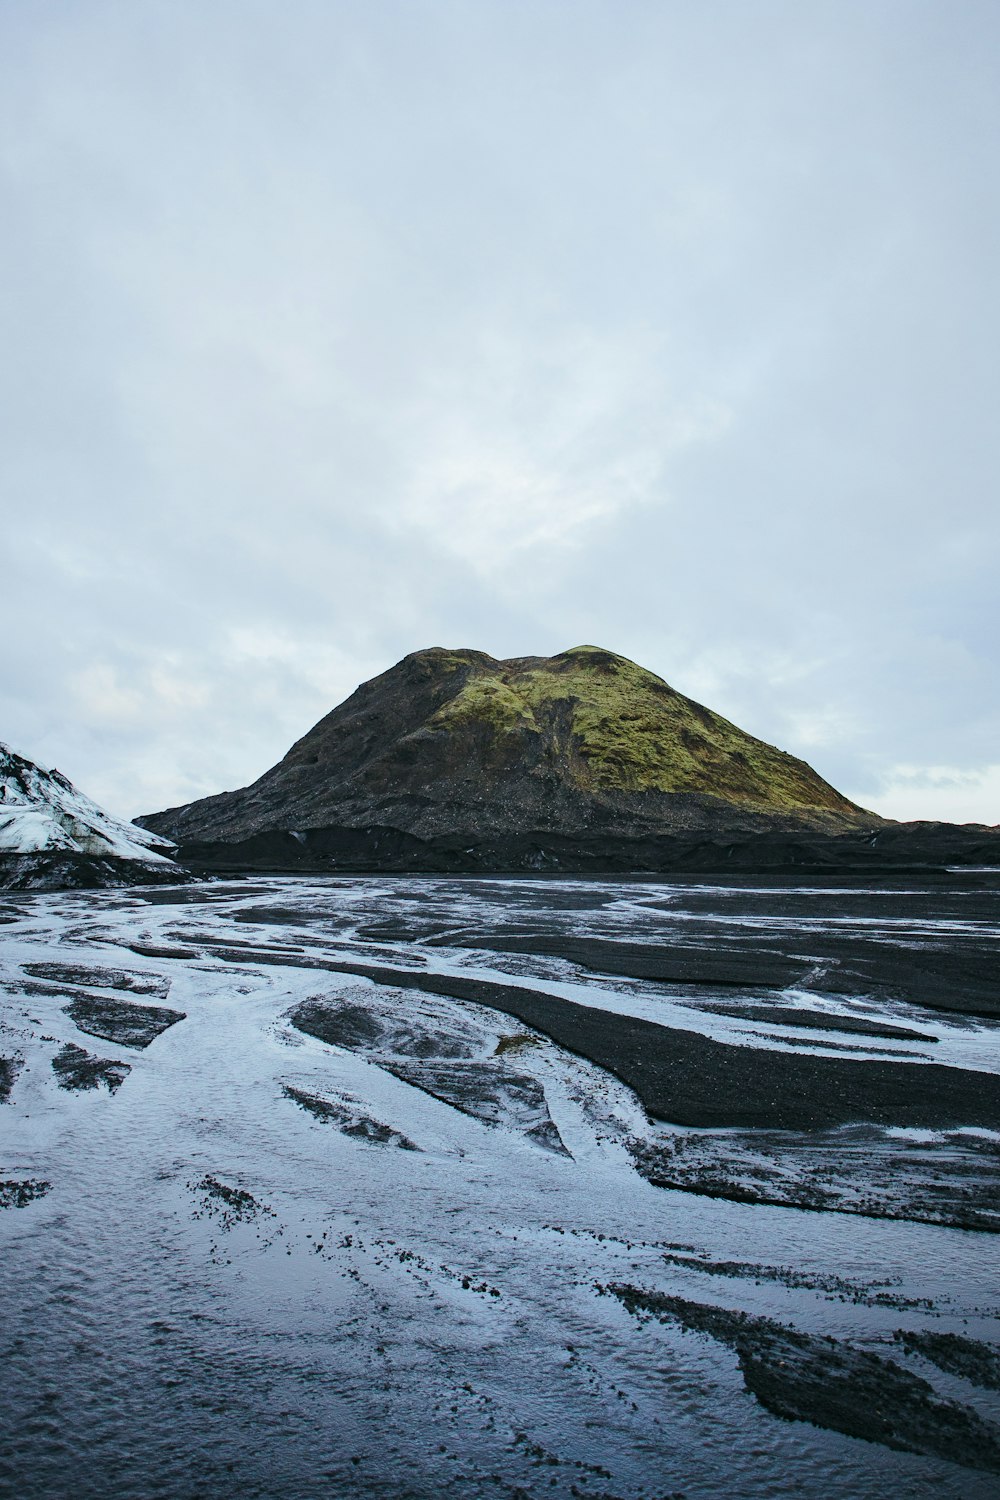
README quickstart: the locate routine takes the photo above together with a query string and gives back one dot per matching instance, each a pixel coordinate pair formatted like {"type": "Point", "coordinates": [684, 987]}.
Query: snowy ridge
{"type": "Point", "coordinates": [42, 810]}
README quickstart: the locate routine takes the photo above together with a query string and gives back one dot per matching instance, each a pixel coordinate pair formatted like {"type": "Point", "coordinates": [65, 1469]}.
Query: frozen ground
{"type": "Point", "coordinates": [297, 1202]}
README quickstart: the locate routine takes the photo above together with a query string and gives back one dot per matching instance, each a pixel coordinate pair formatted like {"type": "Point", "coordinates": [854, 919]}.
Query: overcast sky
{"type": "Point", "coordinates": [330, 331]}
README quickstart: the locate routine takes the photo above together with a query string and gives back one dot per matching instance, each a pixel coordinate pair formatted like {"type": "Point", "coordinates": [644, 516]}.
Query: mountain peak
{"type": "Point", "coordinates": [458, 743]}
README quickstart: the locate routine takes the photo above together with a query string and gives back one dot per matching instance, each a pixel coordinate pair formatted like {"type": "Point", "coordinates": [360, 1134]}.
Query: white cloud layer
{"type": "Point", "coordinates": [942, 793]}
{"type": "Point", "coordinates": [336, 332]}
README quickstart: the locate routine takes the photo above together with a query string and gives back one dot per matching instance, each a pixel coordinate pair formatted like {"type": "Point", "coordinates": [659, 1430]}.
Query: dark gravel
{"type": "Point", "coordinates": [810, 1378]}
{"type": "Point", "coordinates": [956, 1355]}
{"type": "Point", "coordinates": [9, 1069]}
{"type": "Point", "coordinates": [121, 1021]}
{"type": "Point", "coordinates": [77, 1069]}
{"type": "Point", "coordinates": [688, 1079]}
{"type": "Point", "coordinates": [103, 978]}
{"type": "Point", "coordinates": [19, 1192]}
{"type": "Point", "coordinates": [349, 1121]}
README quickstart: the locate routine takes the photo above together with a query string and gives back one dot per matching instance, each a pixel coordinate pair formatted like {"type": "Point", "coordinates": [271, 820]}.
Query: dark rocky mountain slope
{"type": "Point", "coordinates": [585, 746]}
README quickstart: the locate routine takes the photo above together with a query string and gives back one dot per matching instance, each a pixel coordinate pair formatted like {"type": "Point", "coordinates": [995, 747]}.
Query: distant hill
{"type": "Point", "coordinates": [455, 745]}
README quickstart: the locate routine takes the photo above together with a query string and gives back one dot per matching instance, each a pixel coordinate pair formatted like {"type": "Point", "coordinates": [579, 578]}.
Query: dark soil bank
{"type": "Point", "coordinates": [970, 1358]}
{"type": "Point", "coordinates": [349, 1120]}
{"type": "Point", "coordinates": [964, 977]}
{"type": "Point", "coordinates": [689, 1079]}
{"type": "Point", "coordinates": [109, 979]}
{"type": "Point", "coordinates": [121, 1021]}
{"type": "Point", "coordinates": [77, 1069]}
{"type": "Point", "coordinates": [807, 1378]}
{"type": "Point", "coordinates": [820, 1020]}
{"type": "Point", "coordinates": [931, 850]}
{"type": "Point", "coordinates": [9, 1069]}
{"type": "Point", "coordinates": [952, 1179]}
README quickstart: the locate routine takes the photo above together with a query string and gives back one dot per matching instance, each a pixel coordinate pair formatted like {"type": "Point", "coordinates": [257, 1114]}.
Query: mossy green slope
{"type": "Point", "coordinates": [456, 743]}
{"type": "Point", "coordinates": [626, 730]}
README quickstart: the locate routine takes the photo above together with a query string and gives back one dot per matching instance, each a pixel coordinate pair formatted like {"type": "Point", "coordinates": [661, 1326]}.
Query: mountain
{"type": "Point", "coordinates": [456, 746]}
{"type": "Point", "coordinates": [52, 835]}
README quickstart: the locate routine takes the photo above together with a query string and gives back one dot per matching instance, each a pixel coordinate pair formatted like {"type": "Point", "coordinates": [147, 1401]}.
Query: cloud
{"type": "Point", "coordinates": [537, 438]}
{"type": "Point", "coordinates": [941, 793]}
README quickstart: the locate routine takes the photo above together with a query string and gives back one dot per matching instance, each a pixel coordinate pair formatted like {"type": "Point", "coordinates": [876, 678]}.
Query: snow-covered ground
{"type": "Point", "coordinates": [42, 810]}
{"type": "Point", "coordinates": [245, 1260]}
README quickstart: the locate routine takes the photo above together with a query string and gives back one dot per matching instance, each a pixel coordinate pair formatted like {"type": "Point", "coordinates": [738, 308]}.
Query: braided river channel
{"type": "Point", "coordinates": [513, 1187]}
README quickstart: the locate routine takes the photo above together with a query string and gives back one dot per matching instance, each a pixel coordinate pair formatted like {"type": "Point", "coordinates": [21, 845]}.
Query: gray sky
{"type": "Point", "coordinates": [335, 330]}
